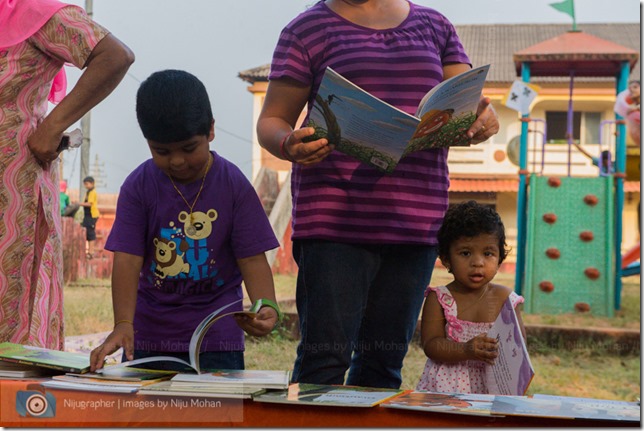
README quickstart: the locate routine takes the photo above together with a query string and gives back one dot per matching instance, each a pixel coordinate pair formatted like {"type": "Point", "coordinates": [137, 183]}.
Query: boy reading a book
{"type": "Point", "coordinates": [189, 229]}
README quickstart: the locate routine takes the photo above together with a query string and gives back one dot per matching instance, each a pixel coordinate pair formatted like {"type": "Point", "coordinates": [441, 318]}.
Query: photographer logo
{"type": "Point", "coordinates": [35, 403]}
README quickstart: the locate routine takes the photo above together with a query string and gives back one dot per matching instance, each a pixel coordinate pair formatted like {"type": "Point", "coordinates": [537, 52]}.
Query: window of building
{"type": "Point", "coordinates": [585, 127]}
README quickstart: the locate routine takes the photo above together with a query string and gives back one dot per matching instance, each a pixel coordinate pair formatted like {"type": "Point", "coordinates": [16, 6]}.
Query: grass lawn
{"type": "Point", "coordinates": [582, 372]}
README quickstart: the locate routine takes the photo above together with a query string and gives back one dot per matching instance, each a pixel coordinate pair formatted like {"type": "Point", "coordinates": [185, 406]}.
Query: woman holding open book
{"type": "Point", "coordinates": [364, 241]}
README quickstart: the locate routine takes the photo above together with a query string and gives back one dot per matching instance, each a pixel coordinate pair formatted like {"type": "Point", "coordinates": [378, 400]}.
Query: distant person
{"type": "Point", "coordinates": [627, 105]}
{"type": "Point", "coordinates": [604, 162]}
{"type": "Point", "coordinates": [64, 197]}
{"type": "Point", "coordinates": [189, 230]}
{"type": "Point", "coordinates": [456, 317]}
{"type": "Point", "coordinates": [364, 241]}
{"type": "Point", "coordinates": [91, 214]}
{"type": "Point", "coordinates": [37, 38]}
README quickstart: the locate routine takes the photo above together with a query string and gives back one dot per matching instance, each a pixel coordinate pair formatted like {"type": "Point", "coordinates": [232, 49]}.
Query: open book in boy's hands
{"type": "Point", "coordinates": [374, 132]}
{"type": "Point", "coordinates": [195, 340]}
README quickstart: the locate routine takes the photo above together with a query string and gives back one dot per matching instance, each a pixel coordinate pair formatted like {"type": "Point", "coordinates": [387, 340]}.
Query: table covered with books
{"type": "Point", "coordinates": [27, 403]}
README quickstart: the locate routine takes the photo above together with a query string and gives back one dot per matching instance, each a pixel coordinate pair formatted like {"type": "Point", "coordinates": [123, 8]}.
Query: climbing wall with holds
{"type": "Point", "coordinates": [570, 247]}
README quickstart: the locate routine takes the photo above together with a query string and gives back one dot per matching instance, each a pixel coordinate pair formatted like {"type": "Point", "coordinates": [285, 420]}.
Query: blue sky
{"type": "Point", "coordinates": [215, 40]}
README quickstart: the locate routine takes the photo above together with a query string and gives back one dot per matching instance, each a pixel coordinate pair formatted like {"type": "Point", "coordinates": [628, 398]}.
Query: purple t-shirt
{"type": "Point", "coordinates": [341, 199]}
{"type": "Point", "coordinates": [189, 273]}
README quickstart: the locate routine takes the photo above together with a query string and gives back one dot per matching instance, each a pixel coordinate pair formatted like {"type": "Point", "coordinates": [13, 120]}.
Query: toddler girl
{"type": "Point", "coordinates": [456, 317]}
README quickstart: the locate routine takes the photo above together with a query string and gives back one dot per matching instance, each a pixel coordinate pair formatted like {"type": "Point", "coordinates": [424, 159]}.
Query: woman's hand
{"type": "Point", "coordinates": [260, 325]}
{"type": "Point", "coordinates": [483, 348]}
{"type": "Point", "coordinates": [121, 336]}
{"type": "Point", "coordinates": [486, 124]}
{"type": "Point", "coordinates": [305, 153]}
{"type": "Point", "coordinates": [44, 145]}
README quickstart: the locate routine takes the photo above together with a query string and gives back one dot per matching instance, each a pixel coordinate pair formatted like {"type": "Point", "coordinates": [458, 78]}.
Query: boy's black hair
{"type": "Point", "coordinates": [172, 106]}
{"type": "Point", "coordinates": [89, 180]}
{"type": "Point", "coordinates": [469, 219]}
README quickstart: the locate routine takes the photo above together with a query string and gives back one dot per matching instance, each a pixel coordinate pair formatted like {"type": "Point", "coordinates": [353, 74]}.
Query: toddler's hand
{"type": "Point", "coordinates": [483, 348]}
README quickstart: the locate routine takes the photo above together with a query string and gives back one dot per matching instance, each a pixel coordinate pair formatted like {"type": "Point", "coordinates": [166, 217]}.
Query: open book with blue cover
{"type": "Point", "coordinates": [374, 132]}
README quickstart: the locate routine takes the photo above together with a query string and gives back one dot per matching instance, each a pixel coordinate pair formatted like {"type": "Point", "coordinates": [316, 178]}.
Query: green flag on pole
{"type": "Point", "coordinates": [568, 7]}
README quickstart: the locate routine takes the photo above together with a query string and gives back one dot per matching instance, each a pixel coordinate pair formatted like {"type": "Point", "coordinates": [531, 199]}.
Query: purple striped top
{"type": "Point", "coordinates": [341, 199]}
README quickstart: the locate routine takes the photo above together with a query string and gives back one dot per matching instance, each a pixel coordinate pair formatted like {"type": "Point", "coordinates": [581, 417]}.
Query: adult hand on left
{"type": "Point", "coordinates": [486, 124]}
{"type": "Point", "coordinates": [43, 144]}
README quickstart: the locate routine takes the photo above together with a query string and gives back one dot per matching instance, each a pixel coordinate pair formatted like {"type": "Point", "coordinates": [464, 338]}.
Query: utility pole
{"type": "Point", "coordinates": [85, 123]}
{"type": "Point", "coordinates": [98, 172]}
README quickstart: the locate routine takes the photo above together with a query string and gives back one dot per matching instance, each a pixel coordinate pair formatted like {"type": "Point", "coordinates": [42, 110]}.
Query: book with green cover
{"type": "Point", "coordinates": [46, 358]}
{"type": "Point", "coordinates": [329, 395]}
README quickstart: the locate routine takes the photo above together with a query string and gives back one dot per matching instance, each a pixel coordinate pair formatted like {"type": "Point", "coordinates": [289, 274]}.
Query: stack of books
{"type": "Point", "coordinates": [221, 383]}
{"type": "Point", "coordinates": [120, 380]}
{"type": "Point", "coordinates": [10, 370]}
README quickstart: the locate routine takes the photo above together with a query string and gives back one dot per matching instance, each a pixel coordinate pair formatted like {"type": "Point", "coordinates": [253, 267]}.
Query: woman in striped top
{"type": "Point", "coordinates": [364, 241]}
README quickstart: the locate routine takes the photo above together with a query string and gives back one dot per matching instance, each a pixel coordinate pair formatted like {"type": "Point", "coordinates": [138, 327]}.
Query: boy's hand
{"type": "Point", "coordinates": [263, 322]}
{"type": "Point", "coordinates": [121, 336]}
{"type": "Point", "coordinates": [483, 348]}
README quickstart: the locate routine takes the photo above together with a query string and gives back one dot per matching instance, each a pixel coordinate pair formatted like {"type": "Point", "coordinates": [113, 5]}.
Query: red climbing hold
{"type": "Point", "coordinates": [546, 286]}
{"type": "Point", "coordinates": [591, 200]}
{"type": "Point", "coordinates": [554, 182]}
{"type": "Point", "coordinates": [549, 218]}
{"type": "Point", "coordinates": [553, 253]}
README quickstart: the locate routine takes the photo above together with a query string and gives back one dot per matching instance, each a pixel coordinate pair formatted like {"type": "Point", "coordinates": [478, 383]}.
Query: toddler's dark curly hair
{"type": "Point", "coordinates": [469, 219]}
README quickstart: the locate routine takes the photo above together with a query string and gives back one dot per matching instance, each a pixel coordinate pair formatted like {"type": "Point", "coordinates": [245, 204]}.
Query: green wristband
{"type": "Point", "coordinates": [267, 303]}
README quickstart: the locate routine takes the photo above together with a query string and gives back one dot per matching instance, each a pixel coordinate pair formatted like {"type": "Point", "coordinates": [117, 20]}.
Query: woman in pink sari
{"type": "Point", "coordinates": [38, 37]}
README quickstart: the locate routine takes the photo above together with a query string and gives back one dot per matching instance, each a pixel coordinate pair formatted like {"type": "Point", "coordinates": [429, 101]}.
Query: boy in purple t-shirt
{"type": "Point", "coordinates": [189, 229]}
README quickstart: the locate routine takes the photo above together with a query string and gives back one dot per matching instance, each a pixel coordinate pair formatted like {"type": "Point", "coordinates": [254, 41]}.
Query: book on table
{"type": "Point", "coordinates": [328, 395]}
{"type": "Point", "coordinates": [167, 388]}
{"type": "Point", "coordinates": [195, 342]}
{"type": "Point", "coordinates": [464, 404]}
{"type": "Point", "coordinates": [377, 133]}
{"type": "Point", "coordinates": [125, 377]}
{"type": "Point", "coordinates": [13, 370]}
{"type": "Point", "coordinates": [512, 371]}
{"type": "Point", "coordinates": [259, 379]}
{"type": "Point", "coordinates": [45, 358]}
{"type": "Point", "coordinates": [92, 385]}
{"type": "Point", "coordinates": [127, 374]}
{"type": "Point", "coordinates": [551, 406]}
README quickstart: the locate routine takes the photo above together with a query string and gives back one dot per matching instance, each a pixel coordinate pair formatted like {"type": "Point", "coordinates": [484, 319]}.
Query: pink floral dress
{"type": "Point", "coordinates": [31, 257]}
{"type": "Point", "coordinates": [457, 377]}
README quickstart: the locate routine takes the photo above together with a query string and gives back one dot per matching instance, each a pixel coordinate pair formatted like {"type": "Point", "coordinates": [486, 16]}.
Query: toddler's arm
{"type": "Point", "coordinates": [439, 348]}
{"type": "Point", "coordinates": [258, 279]}
{"type": "Point", "coordinates": [125, 281]}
